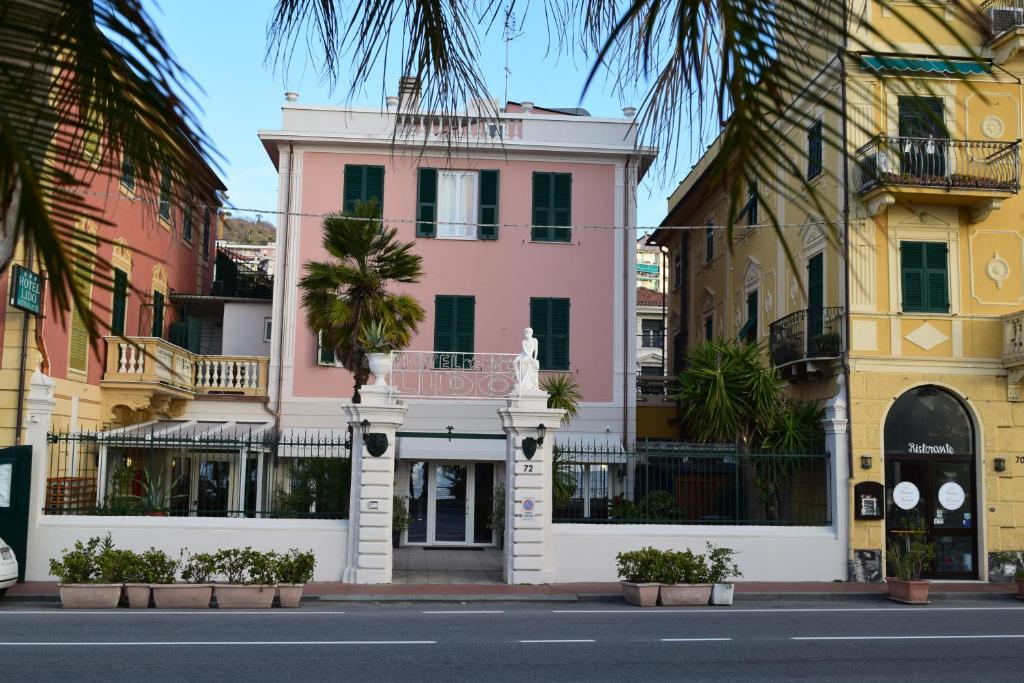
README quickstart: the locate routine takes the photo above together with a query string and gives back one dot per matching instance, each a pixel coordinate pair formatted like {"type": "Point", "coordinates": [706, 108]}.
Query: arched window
{"type": "Point", "coordinates": [928, 420]}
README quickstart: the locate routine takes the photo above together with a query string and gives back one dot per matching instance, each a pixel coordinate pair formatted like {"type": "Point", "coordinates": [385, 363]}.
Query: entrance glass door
{"type": "Point", "coordinates": [450, 503]}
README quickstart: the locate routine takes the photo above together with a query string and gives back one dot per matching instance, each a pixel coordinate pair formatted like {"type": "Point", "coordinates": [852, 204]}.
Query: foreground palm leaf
{"type": "Point", "coordinates": [348, 295]}
{"type": "Point", "coordinates": [81, 83]}
{"type": "Point", "coordinates": [714, 69]}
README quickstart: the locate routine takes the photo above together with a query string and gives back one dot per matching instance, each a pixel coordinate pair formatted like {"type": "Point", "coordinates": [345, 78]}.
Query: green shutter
{"type": "Point", "coordinates": [751, 207]}
{"type": "Point", "coordinates": [814, 149]}
{"type": "Point", "coordinates": [815, 296]}
{"type": "Point", "coordinates": [542, 213]}
{"type": "Point", "coordinates": [549, 319]}
{"type": "Point", "coordinates": [936, 281]}
{"type": "Point", "coordinates": [373, 187]}
{"type": "Point", "coordinates": [488, 228]}
{"type": "Point", "coordinates": [426, 203]}
{"type": "Point", "coordinates": [751, 326]}
{"type": "Point", "coordinates": [562, 203]}
{"type": "Point", "coordinates": [206, 231]}
{"type": "Point", "coordinates": [118, 309]}
{"type": "Point", "coordinates": [165, 194]}
{"type": "Point", "coordinates": [709, 242]}
{"type": "Point", "coordinates": [454, 330]}
{"type": "Point", "coordinates": [324, 355]}
{"type": "Point", "coordinates": [912, 275]}
{"type": "Point", "coordinates": [352, 187]}
{"type": "Point", "coordinates": [444, 323]}
{"type": "Point", "coordinates": [158, 314]}
{"type": "Point", "coordinates": [128, 173]}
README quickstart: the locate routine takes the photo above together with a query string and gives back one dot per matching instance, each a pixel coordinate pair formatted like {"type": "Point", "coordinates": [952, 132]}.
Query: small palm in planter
{"type": "Point", "coordinates": [907, 561]}
{"type": "Point", "coordinates": [641, 572]}
{"type": "Point", "coordinates": [400, 519]}
{"type": "Point", "coordinates": [80, 582]}
{"type": "Point", "coordinates": [721, 568]}
{"type": "Point", "coordinates": [196, 591]}
{"type": "Point", "coordinates": [294, 571]}
{"type": "Point", "coordinates": [378, 342]}
{"type": "Point", "coordinates": [685, 579]}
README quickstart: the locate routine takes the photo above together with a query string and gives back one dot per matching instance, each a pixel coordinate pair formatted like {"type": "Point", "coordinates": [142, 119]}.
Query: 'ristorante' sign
{"type": "Point", "coordinates": [928, 449]}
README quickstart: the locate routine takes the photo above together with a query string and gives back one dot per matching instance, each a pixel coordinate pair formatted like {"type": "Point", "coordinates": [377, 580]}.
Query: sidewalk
{"type": "Point", "coordinates": [330, 591]}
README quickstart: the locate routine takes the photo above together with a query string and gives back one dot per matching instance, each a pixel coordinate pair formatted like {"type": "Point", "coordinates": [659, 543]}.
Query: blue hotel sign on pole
{"type": "Point", "coordinates": [26, 290]}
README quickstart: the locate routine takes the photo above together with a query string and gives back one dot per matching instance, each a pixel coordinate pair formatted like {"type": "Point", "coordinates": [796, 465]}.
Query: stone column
{"type": "Point", "coordinates": [528, 484]}
{"type": "Point", "coordinates": [836, 425]}
{"type": "Point", "coordinates": [369, 524]}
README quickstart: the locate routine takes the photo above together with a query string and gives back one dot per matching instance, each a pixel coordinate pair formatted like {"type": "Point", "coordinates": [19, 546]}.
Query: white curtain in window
{"type": "Point", "coordinates": [457, 204]}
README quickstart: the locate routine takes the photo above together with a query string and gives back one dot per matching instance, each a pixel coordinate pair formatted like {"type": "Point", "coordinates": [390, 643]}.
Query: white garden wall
{"type": "Point", "coordinates": [586, 552]}
{"type": "Point", "coordinates": [328, 539]}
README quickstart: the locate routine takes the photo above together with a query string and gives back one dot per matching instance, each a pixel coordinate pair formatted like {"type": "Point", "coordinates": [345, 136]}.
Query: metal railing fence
{"type": "Point", "coordinates": [939, 162]}
{"type": "Point", "coordinates": [808, 333]}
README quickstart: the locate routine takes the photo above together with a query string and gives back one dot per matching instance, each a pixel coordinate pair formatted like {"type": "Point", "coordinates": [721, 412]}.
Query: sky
{"type": "Point", "coordinates": [222, 46]}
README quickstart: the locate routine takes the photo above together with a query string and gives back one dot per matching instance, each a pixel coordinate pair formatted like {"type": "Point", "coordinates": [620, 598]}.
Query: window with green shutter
{"type": "Point", "coordinates": [186, 222]}
{"type": "Point", "coordinates": [119, 307]}
{"type": "Point", "coordinates": [158, 314]}
{"type": "Point", "coordinates": [709, 242]}
{"type": "Point", "coordinates": [488, 223]}
{"type": "Point", "coordinates": [128, 173]}
{"type": "Point", "coordinates": [426, 202]}
{"type": "Point", "coordinates": [454, 331]}
{"type": "Point", "coordinates": [362, 184]}
{"type": "Point", "coordinates": [324, 355]}
{"type": "Point", "coordinates": [165, 194]}
{"type": "Point", "coordinates": [925, 277]}
{"type": "Point", "coordinates": [750, 208]}
{"type": "Point", "coordinates": [207, 218]}
{"type": "Point", "coordinates": [552, 207]}
{"type": "Point", "coordinates": [78, 343]}
{"type": "Point", "coordinates": [549, 319]}
{"type": "Point", "coordinates": [815, 149]}
{"type": "Point", "coordinates": [748, 333]}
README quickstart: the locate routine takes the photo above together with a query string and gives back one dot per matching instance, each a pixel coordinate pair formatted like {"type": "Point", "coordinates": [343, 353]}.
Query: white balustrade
{"type": "Point", "coordinates": [1013, 336]}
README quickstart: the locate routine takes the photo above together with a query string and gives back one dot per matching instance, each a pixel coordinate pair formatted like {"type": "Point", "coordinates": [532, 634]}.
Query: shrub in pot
{"type": "Point", "coordinates": [155, 567]}
{"type": "Point", "coordinates": [400, 519]}
{"type": "Point", "coordinates": [78, 574]}
{"type": "Point", "coordinates": [906, 564]}
{"type": "Point", "coordinates": [195, 592]}
{"type": "Point", "coordinates": [720, 568]}
{"type": "Point", "coordinates": [1019, 576]}
{"type": "Point", "coordinates": [115, 565]}
{"type": "Point", "coordinates": [250, 577]}
{"type": "Point", "coordinates": [293, 571]}
{"type": "Point", "coordinates": [641, 572]}
{"type": "Point", "coordinates": [684, 580]}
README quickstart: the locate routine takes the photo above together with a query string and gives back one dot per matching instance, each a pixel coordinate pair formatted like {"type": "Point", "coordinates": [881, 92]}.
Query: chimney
{"type": "Point", "coordinates": [629, 112]}
{"type": "Point", "coordinates": [409, 93]}
{"type": "Point", "coordinates": [291, 96]}
{"type": "Point", "coordinates": [527, 106]}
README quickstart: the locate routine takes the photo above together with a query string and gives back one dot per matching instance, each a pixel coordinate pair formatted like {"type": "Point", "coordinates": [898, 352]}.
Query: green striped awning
{"type": "Point", "coordinates": [922, 65]}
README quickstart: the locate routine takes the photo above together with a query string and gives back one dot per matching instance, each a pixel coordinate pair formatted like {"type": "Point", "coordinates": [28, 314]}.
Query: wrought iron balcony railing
{"type": "Point", "coordinates": [939, 163]}
{"type": "Point", "coordinates": [807, 334]}
{"type": "Point", "coordinates": [1004, 15]}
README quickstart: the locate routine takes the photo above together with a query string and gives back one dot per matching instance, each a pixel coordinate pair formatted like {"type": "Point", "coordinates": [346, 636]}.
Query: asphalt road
{"type": "Point", "coordinates": [518, 642]}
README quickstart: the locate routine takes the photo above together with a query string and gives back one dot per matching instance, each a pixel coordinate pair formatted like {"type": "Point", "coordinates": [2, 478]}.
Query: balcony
{"type": "Point", "coordinates": [654, 388]}
{"type": "Point", "coordinates": [1013, 354]}
{"type": "Point", "coordinates": [240, 276]}
{"type": "Point", "coordinates": [150, 376]}
{"type": "Point", "coordinates": [808, 344]}
{"type": "Point", "coordinates": [1006, 23]}
{"type": "Point", "coordinates": [971, 173]}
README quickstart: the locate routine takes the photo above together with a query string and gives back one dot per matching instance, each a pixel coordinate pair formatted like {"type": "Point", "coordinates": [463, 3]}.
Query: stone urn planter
{"type": "Point", "coordinates": [138, 595]}
{"type": "Point", "coordinates": [678, 594]}
{"type": "Point", "coordinates": [182, 595]}
{"type": "Point", "coordinates": [640, 594]}
{"type": "Point", "coordinates": [908, 592]}
{"type": "Point", "coordinates": [90, 595]}
{"type": "Point", "coordinates": [290, 594]}
{"type": "Point", "coordinates": [722, 594]}
{"type": "Point", "coordinates": [240, 596]}
{"type": "Point", "coordinates": [380, 366]}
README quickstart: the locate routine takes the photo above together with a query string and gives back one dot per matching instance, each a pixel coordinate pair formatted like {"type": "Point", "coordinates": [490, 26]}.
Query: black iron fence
{"type": "Point", "coordinates": [237, 276]}
{"type": "Point", "coordinates": [810, 333]}
{"type": "Point", "coordinates": [939, 162]}
{"type": "Point", "coordinates": [189, 473]}
{"type": "Point", "coordinates": [676, 483]}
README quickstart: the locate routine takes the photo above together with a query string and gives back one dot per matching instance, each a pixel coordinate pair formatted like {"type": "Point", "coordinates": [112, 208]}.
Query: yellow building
{"type": "Point", "coordinates": [911, 312]}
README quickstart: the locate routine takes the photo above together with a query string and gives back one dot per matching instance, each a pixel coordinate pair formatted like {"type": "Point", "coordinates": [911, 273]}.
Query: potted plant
{"type": "Point", "coordinates": [195, 592]}
{"type": "Point", "coordinates": [721, 567]}
{"type": "Point", "coordinates": [154, 500]}
{"type": "Point", "coordinates": [1019, 576]}
{"type": "Point", "coordinates": [400, 519]}
{"type": "Point", "coordinates": [906, 563]}
{"type": "Point", "coordinates": [379, 342]}
{"type": "Point", "coordinates": [154, 568]}
{"type": "Point", "coordinates": [125, 567]}
{"type": "Point", "coordinates": [294, 570]}
{"type": "Point", "coordinates": [641, 572]}
{"type": "Point", "coordinates": [684, 580]}
{"type": "Point", "coordinates": [79, 580]}
{"type": "Point", "coordinates": [250, 578]}
{"type": "Point", "coordinates": [497, 520]}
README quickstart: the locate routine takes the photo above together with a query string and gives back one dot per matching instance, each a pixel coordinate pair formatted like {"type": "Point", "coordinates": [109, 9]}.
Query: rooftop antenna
{"type": "Point", "coordinates": [508, 35]}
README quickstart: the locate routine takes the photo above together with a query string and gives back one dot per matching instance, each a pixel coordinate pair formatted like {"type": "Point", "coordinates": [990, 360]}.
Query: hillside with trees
{"type": "Point", "coordinates": [239, 230]}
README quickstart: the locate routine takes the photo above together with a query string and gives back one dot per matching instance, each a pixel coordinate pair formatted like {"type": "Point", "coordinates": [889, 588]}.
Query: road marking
{"type": "Point", "coordinates": [464, 611]}
{"type": "Point", "coordinates": [732, 610]}
{"type": "Point", "coordinates": [154, 612]}
{"type": "Point", "coordinates": [163, 643]}
{"type": "Point", "coordinates": [693, 640]}
{"type": "Point", "coordinates": [580, 640]}
{"type": "Point", "coordinates": [972, 636]}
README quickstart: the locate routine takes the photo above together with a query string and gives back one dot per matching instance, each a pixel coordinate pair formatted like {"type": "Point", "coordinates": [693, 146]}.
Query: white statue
{"type": "Point", "coordinates": [526, 364]}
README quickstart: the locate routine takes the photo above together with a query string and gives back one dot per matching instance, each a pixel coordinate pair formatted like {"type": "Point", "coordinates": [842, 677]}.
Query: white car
{"type": "Point", "coordinates": [8, 567]}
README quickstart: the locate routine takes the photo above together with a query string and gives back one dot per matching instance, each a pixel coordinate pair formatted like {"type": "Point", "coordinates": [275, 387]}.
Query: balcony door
{"type": "Point", "coordinates": [815, 301]}
{"type": "Point", "coordinates": [923, 137]}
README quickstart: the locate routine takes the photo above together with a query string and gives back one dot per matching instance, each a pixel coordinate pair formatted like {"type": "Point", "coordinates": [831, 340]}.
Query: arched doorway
{"type": "Point", "coordinates": [930, 478]}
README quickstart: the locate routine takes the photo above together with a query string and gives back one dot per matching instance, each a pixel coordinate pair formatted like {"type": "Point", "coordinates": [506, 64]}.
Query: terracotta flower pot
{"type": "Point", "coordinates": [138, 595]}
{"type": "Point", "coordinates": [90, 595]}
{"type": "Point", "coordinates": [641, 594]}
{"type": "Point", "coordinates": [909, 592]}
{"type": "Point", "coordinates": [290, 594]}
{"type": "Point", "coordinates": [1020, 588]}
{"type": "Point", "coordinates": [237, 596]}
{"type": "Point", "coordinates": [685, 594]}
{"type": "Point", "coordinates": [182, 595]}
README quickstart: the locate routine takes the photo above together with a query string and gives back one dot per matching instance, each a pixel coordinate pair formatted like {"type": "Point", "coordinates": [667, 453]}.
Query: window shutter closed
{"type": "Point", "coordinates": [912, 266]}
{"type": "Point", "coordinates": [562, 206]}
{"type": "Point", "coordinates": [549, 319]}
{"type": "Point", "coordinates": [815, 295]}
{"type": "Point", "coordinates": [352, 187]}
{"type": "Point", "coordinates": [552, 207]}
{"type": "Point", "coordinates": [814, 149]}
{"type": "Point", "coordinates": [373, 188]}
{"type": "Point", "coordinates": [158, 314]}
{"type": "Point", "coordinates": [488, 228]}
{"type": "Point", "coordinates": [454, 330]}
{"type": "Point", "coordinates": [937, 277]}
{"type": "Point", "coordinates": [426, 202]}
{"type": "Point", "coordinates": [542, 214]}
{"type": "Point", "coordinates": [119, 306]}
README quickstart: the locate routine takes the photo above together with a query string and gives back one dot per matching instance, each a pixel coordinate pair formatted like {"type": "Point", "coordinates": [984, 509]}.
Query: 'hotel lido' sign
{"type": "Point", "coordinates": [26, 290]}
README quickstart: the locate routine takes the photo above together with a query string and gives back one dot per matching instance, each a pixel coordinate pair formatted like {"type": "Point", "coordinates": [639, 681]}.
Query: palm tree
{"type": "Point", "coordinates": [84, 84]}
{"type": "Point", "coordinates": [725, 69]}
{"type": "Point", "coordinates": [348, 296]}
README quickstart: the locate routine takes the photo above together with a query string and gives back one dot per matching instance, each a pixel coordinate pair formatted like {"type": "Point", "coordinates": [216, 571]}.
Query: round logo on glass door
{"type": "Point", "coordinates": [906, 495]}
{"type": "Point", "coordinates": [951, 496]}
